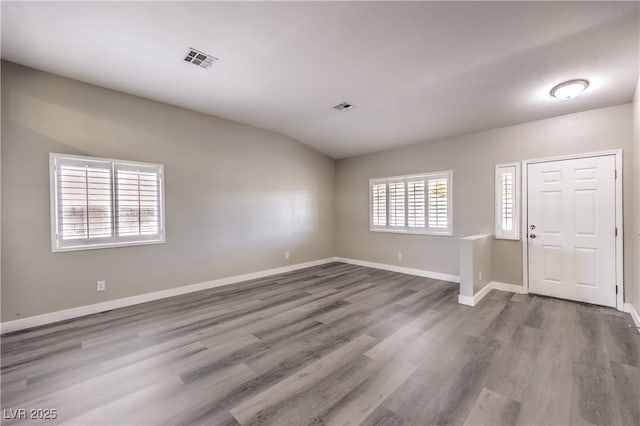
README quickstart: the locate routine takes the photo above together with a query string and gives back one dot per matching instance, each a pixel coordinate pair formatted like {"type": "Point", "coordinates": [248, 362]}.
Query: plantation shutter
{"type": "Point", "coordinates": [507, 210]}
{"type": "Point", "coordinates": [379, 204]}
{"type": "Point", "coordinates": [438, 202]}
{"type": "Point", "coordinates": [416, 205]}
{"type": "Point", "coordinates": [84, 200]}
{"type": "Point", "coordinates": [138, 201]}
{"type": "Point", "coordinates": [98, 202]}
{"type": "Point", "coordinates": [396, 204]}
{"type": "Point", "coordinates": [506, 207]}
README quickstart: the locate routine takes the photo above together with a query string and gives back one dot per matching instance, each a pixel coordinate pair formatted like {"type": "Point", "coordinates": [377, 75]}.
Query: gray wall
{"type": "Point", "coordinates": [633, 234]}
{"type": "Point", "coordinates": [472, 159]}
{"type": "Point", "coordinates": [476, 254]}
{"type": "Point", "coordinates": [237, 197]}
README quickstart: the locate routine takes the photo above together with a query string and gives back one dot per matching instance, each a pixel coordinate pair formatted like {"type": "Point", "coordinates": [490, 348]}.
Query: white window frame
{"type": "Point", "coordinates": [514, 233]}
{"type": "Point", "coordinates": [58, 245]}
{"type": "Point", "coordinates": [448, 174]}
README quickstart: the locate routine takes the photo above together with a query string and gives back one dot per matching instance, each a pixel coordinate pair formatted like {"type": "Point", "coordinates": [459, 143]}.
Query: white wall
{"type": "Point", "coordinates": [472, 158]}
{"type": "Point", "coordinates": [237, 197]}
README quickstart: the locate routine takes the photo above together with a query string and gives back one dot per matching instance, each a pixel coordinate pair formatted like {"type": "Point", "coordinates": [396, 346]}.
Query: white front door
{"type": "Point", "coordinates": [571, 229]}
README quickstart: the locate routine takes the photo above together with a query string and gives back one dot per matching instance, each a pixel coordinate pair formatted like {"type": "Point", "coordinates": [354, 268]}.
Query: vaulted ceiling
{"type": "Point", "coordinates": [416, 71]}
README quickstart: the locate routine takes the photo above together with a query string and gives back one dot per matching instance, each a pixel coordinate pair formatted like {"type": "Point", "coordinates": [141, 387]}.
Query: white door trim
{"type": "Point", "coordinates": [619, 239]}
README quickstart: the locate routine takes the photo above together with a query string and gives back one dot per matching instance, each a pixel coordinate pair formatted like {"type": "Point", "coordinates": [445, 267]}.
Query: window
{"type": "Point", "coordinates": [508, 201]}
{"type": "Point", "coordinates": [98, 202]}
{"type": "Point", "coordinates": [379, 204]}
{"type": "Point", "coordinates": [396, 204]}
{"type": "Point", "coordinates": [413, 204]}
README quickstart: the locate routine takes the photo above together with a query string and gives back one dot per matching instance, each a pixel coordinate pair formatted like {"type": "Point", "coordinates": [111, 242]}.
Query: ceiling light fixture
{"type": "Point", "coordinates": [569, 89]}
{"type": "Point", "coordinates": [201, 59]}
{"type": "Point", "coordinates": [345, 106]}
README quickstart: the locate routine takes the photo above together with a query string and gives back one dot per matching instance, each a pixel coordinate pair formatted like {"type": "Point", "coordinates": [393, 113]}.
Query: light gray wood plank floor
{"type": "Point", "coordinates": [335, 344]}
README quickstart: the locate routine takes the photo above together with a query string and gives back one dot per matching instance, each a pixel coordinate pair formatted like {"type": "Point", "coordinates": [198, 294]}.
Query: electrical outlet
{"type": "Point", "coordinates": [480, 275]}
{"type": "Point", "coordinates": [286, 255]}
{"type": "Point", "coordinates": [101, 286]}
{"type": "Point", "coordinates": [399, 256]}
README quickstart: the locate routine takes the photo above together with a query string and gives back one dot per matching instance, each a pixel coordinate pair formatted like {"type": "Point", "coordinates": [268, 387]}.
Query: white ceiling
{"type": "Point", "coordinates": [416, 71]}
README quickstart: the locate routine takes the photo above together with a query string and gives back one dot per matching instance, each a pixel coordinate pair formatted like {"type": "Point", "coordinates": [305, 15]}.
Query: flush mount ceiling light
{"type": "Point", "coordinates": [569, 89]}
{"type": "Point", "coordinates": [345, 106]}
{"type": "Point", "coordinates": [201, 59]}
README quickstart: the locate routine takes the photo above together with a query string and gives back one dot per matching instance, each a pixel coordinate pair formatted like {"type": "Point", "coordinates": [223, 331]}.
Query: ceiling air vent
{"type": "Point", "coordinates": [199, 58]}
{"type": "Point", "coordinates": [345, 106]}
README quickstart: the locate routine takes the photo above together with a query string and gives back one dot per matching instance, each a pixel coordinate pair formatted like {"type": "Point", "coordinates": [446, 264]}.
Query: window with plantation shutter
{"type": "Point", "coordinates": [417, 204]}
{"type": "Point", "coordinates": [84, 201]}
{"type": "Point", "coordinates": [507, 201]}
{"type": "Point", "coordinates": [97, 203]}
{"type": "Point", "coordinates": [396, 204]}
{"type": "Point", "coordinates": [379, 204]}
{"type": "Point", "coordinates": [438, 203]}
{"type": "Point", "coordinates": [137, 201]}
{"type": "Point", "coordinates": [415, 201]}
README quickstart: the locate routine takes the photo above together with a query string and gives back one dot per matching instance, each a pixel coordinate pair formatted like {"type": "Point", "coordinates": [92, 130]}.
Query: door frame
{"type": "Point", "coordinates": [619, 215]}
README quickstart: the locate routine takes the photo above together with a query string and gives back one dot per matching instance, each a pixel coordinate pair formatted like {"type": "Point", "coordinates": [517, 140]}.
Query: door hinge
{"type": "Point", "coordinates": [615, 174]}
{"type": "Point", "coordinates": [616, 289]}
{"type": "Point", "coordinates": [616, 231]}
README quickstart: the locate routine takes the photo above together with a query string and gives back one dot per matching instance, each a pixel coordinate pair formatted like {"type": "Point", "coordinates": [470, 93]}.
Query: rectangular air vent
{"type": "Point", "coordinates": [345, 106]}
{"type": "Point", "coordinates": [199, 58]}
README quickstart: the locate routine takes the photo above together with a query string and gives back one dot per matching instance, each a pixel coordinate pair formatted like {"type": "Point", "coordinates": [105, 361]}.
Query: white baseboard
{"type": "Point", "coordinates": [493, 285]}
{"type": "Point", "coordinates": [52, 317]}
{"type": "Point", "coordinates": [473, 301]}
{"type": "Point", "coordinates": [466, 300]}
{"type": "Point", "coordinates": [400, 269]}
{"type": "Point", "coordinates": [628, 307]}
{"type": "Point", "coordinates": [48, 318]}
{"type": "Point", "coordinates": [513, 288]}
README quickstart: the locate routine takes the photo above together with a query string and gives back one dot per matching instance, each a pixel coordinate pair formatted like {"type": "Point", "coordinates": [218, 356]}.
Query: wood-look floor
{"type": "Point", "coordinates": [335, 344]}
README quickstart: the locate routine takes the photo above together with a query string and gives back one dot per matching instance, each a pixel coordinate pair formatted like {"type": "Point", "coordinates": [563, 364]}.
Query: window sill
{"type": "Point", "coordinates": [412, 232]}
{"type": "Point", "coordinates": [104, 246]}
{"type": "Point", "coordinates": [507, 238]}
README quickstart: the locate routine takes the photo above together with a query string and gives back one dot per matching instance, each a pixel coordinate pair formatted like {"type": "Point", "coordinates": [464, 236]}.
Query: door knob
{"type": "Point", "coordinates": [532, 236]}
